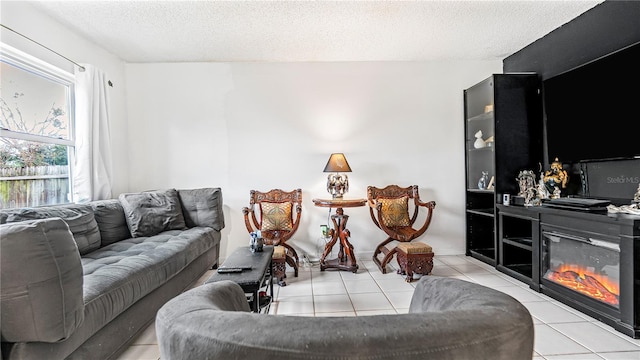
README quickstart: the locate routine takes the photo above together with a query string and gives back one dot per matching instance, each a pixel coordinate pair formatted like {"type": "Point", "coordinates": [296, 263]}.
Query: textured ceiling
{"type": "Point", "coordinates": [176, 31]}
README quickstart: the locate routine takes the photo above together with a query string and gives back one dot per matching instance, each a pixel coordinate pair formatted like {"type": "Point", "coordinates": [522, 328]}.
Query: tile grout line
{"type": "Point", "coordinates": [349, 295]}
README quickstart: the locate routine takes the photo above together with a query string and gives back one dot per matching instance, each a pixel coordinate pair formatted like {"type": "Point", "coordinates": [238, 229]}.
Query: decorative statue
{"type": "Point", "coordinates": [526, 180]}
{"type": "Point", "coordinates": [479, 143]}
{"type": "Point", "coordinates": [484, 180]}
{"type": "Point", "coordinates": [527, 187]}
{"type": "Point", "coordinates": [555, 179]}
{"type": "Point", "coordinates": [543, 193]}
{"type": "Point", "coordinates": [256, 243]}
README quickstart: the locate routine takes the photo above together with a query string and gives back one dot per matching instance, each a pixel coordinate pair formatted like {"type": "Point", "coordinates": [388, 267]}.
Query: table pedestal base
{"type": "Point", "coordinates": [346, 259]}
{"type": "Point", "coordinates": [339, 264]}
{"type": "Point", "coordinates": [339, 234]}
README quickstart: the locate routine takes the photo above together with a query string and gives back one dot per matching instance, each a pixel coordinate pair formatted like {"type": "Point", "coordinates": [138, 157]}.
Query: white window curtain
{"type": "Point", "coordinates": [92, 172]}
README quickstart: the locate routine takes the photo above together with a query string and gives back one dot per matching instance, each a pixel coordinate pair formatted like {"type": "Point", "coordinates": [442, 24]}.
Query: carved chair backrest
{"type": "Point", "coordinates": [393, 192]}
{"type": "Point", "coordinates": [254, 216]}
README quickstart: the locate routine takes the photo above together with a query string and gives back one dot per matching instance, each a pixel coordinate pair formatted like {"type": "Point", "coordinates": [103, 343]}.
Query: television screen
{"type": "Point", "coordinates": [615, 180]}
{"type": "Point", "coordinates": [593, 111]}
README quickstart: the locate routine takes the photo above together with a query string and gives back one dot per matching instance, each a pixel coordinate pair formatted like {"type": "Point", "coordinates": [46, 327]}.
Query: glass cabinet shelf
{"type": "Point", "coordinates": [505, 110]}
{"type": "Point", "coordinates": [488, 116]}
{"type": "Point", "coordinates": [487, 148]}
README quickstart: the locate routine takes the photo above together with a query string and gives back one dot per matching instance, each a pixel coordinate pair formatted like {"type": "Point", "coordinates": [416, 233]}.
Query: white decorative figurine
{"type": "Point", "coordinates": [479, 143]}
{"type": "Point", "coordinates": [543, 193]}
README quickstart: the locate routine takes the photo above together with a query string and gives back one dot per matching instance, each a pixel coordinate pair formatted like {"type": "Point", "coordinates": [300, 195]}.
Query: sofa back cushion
{"type": "Point", "coordinates": [111, 221]}
{"type": "Point", "coordinates": [202, 207]}
{"type": "Point", "coordinates": [152, 212]}
{"type": "Point", "coordinates": [40, 281]}
{"type": "Point", "coordinates": [80, 219]}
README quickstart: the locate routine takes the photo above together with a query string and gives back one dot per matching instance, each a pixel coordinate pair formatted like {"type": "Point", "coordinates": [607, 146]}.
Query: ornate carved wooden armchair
{"type": "Point", "coordinates": [272, 213]}
{"type": "Point", "coordinates": [389, 209]}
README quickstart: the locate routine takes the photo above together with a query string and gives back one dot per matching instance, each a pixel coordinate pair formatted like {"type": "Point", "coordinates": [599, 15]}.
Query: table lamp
{"type": "Point", "coordinates": [337, 183]}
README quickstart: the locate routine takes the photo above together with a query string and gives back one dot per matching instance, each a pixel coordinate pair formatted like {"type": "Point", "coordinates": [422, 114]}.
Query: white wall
{"type": "Point", "coordinates": [25, 19]}
{"type": "Point", "coordinates": [244, 126]}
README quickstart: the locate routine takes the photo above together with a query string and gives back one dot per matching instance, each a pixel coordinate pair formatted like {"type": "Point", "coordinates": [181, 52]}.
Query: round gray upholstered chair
{"type": "Point", "coordinates": [448, 319]}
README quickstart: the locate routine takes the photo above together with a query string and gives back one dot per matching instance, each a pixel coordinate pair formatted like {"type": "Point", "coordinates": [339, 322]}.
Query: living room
{"type": "Point", "coordinates": [244, 125]}
{"type": "Point", "coordinates": [217, 123]}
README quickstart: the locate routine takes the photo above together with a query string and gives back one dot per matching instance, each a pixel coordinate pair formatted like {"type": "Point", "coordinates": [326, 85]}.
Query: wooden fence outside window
{"type": "Point", "coordinates": [34, 186]}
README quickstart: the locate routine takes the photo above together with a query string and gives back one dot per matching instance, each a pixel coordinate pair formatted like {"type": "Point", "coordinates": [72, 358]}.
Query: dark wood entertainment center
{"type": "Point", "coordinates": [523, 241]}
{"type": "Point", "coordinates": [522, 255]}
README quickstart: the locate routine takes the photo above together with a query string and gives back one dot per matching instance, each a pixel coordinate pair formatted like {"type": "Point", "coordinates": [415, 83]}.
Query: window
{"type": "Point", "coordinates": [36, 131]}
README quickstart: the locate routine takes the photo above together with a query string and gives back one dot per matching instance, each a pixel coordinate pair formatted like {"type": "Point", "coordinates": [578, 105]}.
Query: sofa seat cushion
{"type": "Point", "coordinates": [118, 275]}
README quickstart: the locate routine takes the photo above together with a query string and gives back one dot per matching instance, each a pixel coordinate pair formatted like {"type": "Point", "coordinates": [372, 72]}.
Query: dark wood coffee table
{"type": "Point", "coordinates": [255, 275]}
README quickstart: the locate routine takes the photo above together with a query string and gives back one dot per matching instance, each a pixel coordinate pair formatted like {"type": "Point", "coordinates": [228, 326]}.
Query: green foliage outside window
{"type": "Point", "coordinates": [20, 153]}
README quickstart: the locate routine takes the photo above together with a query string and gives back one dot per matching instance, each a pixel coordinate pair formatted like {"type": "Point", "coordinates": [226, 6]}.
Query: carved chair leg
{"type": "Point", "coordinates": [387, 258]}
{"type": "Point", "coordinates": [404, 267]}
{"type": "Point", "coordinates": [292, 253]}
{"type": "Point", "coordinates": [383, 269]}
{"type": "Point", "coordinates": [279, 269]}
{"type": "Point", "coordinates": [292, 262]}
{"type": "Point", "coordinates": [409, 277]}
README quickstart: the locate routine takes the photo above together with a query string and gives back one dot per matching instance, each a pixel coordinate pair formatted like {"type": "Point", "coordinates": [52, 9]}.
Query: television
{"type": "Point", "coordinates": [616, 180]}
{"type": "Point", "coordinates": [593, 111]}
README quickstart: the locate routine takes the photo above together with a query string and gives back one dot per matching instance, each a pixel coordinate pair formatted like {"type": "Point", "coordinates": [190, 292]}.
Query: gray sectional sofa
{"type": "Point", "coordinates": [80, 281]}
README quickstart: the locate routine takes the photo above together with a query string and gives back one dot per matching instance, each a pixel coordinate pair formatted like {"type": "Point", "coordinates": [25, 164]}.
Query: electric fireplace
{"type": "Point", "coordinates": [587, 266]}
{"type": "Point", "coordinates": [591, 262]}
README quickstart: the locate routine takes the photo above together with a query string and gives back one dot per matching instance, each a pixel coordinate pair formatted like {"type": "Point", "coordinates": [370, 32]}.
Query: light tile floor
{"type": "Point", "coordinates": [561, 333]}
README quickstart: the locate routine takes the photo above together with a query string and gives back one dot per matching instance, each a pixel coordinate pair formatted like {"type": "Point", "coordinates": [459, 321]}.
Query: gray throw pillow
{"type": "Point", "coordinates": [40, 281]}
{"type": "Point", "coordinates": [79, 217]}
{"type": "Point", "coordinates": [202, 207]}
{"type": "Point", "coordinates": [111, 221]}
{"type": "Point", "coordinates": [152, 212]}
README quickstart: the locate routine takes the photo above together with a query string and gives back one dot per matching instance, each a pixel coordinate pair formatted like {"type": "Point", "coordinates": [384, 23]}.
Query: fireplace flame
{"type": "Point", "coordinates": [584, 281]}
